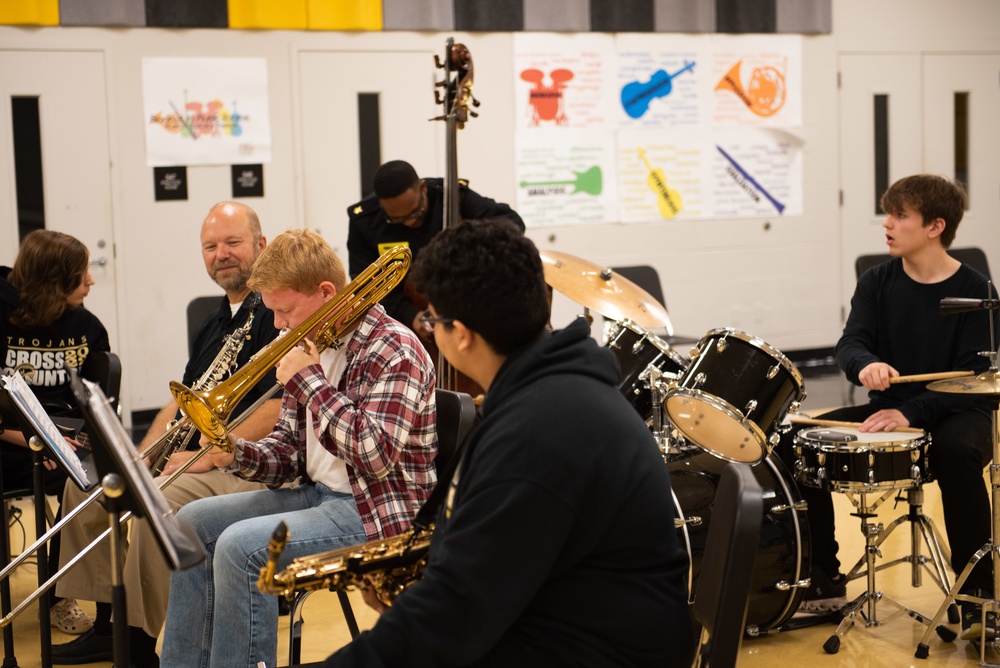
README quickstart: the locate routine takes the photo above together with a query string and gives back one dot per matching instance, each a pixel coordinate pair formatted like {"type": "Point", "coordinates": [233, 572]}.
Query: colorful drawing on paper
{"type": "Point", "coordinates": [201, 119]}
{"type": "Point", "coordinates": [546, 101]}
{"type": "Point", "coordinates": [206, 111]}
{"type": "Point", "coordinates": [668, 200]}
{"type": "Point", "coordinates": [747, 183]}
{"type": "Point", "coordinates": [590, 181]}
{"type": "Point", "coordinates": [765, 92]}
{"type": "Point", "coordinates": [637, 95]}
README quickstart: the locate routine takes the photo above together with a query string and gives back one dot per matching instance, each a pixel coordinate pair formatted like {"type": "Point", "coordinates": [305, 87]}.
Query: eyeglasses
{"type": "Point", "coordinates": [417, 212]}
{"type": "Point", "coordinates": [431, 320]}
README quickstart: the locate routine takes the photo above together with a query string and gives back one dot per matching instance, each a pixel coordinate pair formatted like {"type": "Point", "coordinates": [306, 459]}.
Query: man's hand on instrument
{"type": "Point", "coordinates": [295, 360]}
{"type": "Point", "coordinates": [876, 376]}
{"type": "Point", "coordinates": [884, 420]}
{"type": "Point", "coordinates": [214, 458]}
{"type": "Point", "coordinates": [369, 596]}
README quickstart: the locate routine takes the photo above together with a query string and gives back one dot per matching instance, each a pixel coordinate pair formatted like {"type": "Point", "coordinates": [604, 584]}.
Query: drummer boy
{"type": "Point", "coordinates": [896, 328]}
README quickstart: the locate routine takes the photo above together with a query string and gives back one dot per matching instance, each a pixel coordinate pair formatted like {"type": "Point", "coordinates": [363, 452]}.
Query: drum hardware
{"type": "Point", "coordinates": [603, 290]}
{"type": "Point", "coordinates": [653, 380]}
{"type": "Point", "coordinates": [782, 564]}
{"type": "Point", "coordinates": [988, 385]}
{"type": "Point", "coordinates": [729, 369]}
{"type": "Point", "coordinates": [638, 351]}
{"type": "Point", "coordinates": [862, 464]}
{"type": "Point", "coordinates": [865, 606]}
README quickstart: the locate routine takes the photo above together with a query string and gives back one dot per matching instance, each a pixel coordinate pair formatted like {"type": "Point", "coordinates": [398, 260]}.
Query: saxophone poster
{"type": "Point", "coordinates": [206, 111]}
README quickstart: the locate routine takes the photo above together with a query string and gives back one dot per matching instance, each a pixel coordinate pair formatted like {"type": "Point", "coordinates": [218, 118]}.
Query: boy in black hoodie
{"type": "Point", "coordinates": [555, 543]}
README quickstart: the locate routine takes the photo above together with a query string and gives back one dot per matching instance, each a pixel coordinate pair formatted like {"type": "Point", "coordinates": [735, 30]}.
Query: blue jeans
{"type": "Point", "coordinates": [217, 617]}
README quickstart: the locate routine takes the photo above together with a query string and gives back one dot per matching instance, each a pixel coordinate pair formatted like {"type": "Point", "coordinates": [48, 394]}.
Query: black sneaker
{"type": "Point", "coordinates": [88, 648]}
{"type": "Point", "coordinates": [972, 619]}
{"type": "Point", "coordinates": [824, 594]}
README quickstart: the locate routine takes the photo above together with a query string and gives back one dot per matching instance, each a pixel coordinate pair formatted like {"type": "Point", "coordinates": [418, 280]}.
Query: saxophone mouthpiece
{"type": "Point", "coordinates": [266, 582]}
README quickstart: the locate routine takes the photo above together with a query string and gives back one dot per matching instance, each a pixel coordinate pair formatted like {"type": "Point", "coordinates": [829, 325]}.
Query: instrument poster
{"type": "Point", "coordinates": [678, 127]}
{"type": "Point", "coordinates": [564, 180]}
{"type": "Point", "coordinates": [205, 111]}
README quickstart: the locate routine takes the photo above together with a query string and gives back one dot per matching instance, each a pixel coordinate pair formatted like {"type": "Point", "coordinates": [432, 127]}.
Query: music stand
{"type": "Point", "coordinates": [128, 485]}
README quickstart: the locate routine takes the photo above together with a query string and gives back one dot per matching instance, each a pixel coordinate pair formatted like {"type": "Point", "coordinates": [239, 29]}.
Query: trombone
{"type": "Point", "coordinates": [208, 410]}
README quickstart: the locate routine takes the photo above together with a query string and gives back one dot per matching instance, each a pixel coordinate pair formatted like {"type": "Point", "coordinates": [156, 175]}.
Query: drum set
{"type": "Point", "coordinates": [726, 402]}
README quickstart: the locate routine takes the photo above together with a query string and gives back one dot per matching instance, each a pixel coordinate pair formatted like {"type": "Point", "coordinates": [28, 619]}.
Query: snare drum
{"type": "Point", "coordinates": [636, 350]}
{"type": "Point", "coordinates": [845, 459]}
{"type": "Point", "coordinates": [733, 396]}
{"type": "Point", "coordinates": [782, 562]}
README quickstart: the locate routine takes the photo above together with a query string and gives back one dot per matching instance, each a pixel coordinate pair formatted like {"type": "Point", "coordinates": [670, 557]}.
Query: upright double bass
{"type": "Point", "coordinates": [456, 101]}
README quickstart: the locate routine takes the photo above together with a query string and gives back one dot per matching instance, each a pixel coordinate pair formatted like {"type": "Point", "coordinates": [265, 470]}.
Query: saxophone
{"type": "Point", "coordinates": [178, 436]}
{"type": "Point", "coordinates": [389, 566]}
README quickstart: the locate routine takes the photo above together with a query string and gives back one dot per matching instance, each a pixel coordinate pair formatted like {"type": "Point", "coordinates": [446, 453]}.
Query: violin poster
{"type": "Point", "coordinates": [659, 80]}
{"type": "Point", "coordinates": [206, 111]}
{"type": "Point", "coordinates": [660, 177]}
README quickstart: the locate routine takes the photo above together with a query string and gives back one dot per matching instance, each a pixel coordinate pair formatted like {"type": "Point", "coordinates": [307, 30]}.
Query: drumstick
{"type": "Point", "coordinates": [801, 419]}
{"type": "Point", "coordinates": [920, 377]}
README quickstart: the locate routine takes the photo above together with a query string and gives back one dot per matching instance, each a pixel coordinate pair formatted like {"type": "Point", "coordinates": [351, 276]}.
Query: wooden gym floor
{"type": "Point", "coordinates": [888, 646]}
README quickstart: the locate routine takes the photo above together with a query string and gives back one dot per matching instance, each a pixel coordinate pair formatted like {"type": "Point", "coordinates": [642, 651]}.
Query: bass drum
{"type": "Point", "coordinates": [783, 551]}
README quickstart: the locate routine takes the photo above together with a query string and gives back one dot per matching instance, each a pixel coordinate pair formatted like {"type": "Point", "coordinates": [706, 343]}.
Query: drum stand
{"type": "Point", "coordinates": [865, 605]}
{"type": "Point", "coordinates": [990, 548]}
{"type": "Point", "coordinates": [921, 527]}
{"type": "Point", "coordinates": [652, 379]}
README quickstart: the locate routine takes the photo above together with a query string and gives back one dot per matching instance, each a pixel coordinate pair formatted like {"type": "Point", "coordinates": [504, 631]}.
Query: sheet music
{"type": "Point", "coordinates": [28, 404]}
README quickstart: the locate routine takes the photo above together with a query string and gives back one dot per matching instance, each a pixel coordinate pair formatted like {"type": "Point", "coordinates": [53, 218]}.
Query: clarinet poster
{"type": "Point", "coordinates": [206, 111]}
{"type": "Point", "coordinates": [657, 129]}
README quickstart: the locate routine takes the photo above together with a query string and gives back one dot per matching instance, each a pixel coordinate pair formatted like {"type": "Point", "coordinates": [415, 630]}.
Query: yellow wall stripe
{"type": "Point", "coordinates": [344, 14]}
{"type": "Point", "coordinates": [271, 14]}
{"type": "Point", "coordinates": [29, 12]}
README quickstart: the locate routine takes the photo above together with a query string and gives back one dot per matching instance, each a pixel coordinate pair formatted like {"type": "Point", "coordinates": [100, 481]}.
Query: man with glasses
{"type": "Point", "coordinates": [407, 210]}
{"type": "Point", "coordinates": [548, 548]}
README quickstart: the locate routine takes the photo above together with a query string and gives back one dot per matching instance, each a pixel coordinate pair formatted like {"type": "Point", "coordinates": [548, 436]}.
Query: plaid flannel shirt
{"type": "Point", "coordinates": [381, 420]}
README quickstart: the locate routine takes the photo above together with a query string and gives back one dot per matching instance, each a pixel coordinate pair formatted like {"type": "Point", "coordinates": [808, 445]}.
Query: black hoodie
{"type": "Point", "coordinates": [558, 546]}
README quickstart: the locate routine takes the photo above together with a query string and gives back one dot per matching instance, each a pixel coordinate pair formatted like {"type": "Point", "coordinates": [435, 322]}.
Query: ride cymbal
{"type": "Point", "coordinates": [987, 383]}
{"type": "Point", "coordinates": [603, 290]}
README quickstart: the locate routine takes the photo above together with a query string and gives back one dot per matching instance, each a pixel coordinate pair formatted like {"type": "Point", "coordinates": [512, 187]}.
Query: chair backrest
{"type": "Point", "coordinates": [723, 590]}
{"type": "Point", "coordinates": [105, 369]}
{"type": "Point", "coordinates": [456, 414]}
{"type": "Point", "coordinates": [972, 256]}
{"type": "Point", "coordinates": [198, 309]}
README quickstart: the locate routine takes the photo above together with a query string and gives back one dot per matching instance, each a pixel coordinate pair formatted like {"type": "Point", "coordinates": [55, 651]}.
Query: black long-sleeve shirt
{"type": "Point", "coordinates": [370, 234]}
{"type": "Point", "coordinates": [897, 320]}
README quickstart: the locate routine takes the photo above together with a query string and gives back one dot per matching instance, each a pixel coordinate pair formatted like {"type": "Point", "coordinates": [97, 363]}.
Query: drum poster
{"type": "Point", "coordinates": [206, 111]}
{"type": "Point", "coordinates": [679, 127]}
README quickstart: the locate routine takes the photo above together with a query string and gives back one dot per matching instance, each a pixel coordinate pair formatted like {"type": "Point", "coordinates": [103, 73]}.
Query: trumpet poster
{"type": "Point", "coordinates": [658, 128]}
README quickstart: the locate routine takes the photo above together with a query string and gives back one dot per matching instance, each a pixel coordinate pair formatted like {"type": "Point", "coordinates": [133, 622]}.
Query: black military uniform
{"type": "Point", "coordinates": [370, 234]}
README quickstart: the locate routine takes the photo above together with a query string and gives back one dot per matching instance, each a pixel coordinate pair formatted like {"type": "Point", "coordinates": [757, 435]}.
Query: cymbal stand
{"type": "Point", "coordinates": [865, 605]}
{"type": "Point", "coordinates": [988, 605]}
{"type": "Point", "coordinates": [991, 605]}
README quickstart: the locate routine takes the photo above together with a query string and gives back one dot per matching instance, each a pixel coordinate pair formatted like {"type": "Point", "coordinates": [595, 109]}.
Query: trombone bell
{"type": "Point", "coordinates": [201, 414]}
